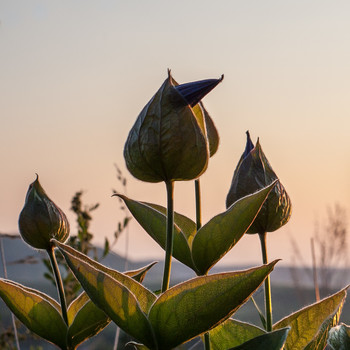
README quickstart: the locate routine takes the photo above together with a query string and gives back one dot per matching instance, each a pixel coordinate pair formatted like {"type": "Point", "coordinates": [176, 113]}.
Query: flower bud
{"type": "Point", "coordinates": [252, 173]}
{"type": "Point", "coordinates": [41, 220]}
{"type": "Point", "coordinates": [168, 141]}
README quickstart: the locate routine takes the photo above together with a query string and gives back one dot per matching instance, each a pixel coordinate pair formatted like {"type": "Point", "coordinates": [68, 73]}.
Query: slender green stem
{"type": "Point", "coordinates": [199, 225]}
{"type": "Point", "coordinates": [207, 341]}
{"type": "Point", "coordinates": [198, 204]}
{"type": "Point", "coordinates": [169, 235]}
{"type": "Point", "coordinates": [268, 300]}
{"type": "Point", "coordinates": [60, 289]}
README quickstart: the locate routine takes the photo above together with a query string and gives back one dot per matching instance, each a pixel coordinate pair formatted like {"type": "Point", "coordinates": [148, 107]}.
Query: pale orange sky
{"type": "Point", "coordinates": [75, 75]}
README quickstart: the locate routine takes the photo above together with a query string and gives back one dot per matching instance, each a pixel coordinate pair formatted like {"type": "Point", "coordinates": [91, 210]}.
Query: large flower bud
{"type": "Point", "coordinates": [252, 173]}
{"type": "Point", "coordinates": [41, 220]}
{"type": "Point", "coordinates": [169, 141]}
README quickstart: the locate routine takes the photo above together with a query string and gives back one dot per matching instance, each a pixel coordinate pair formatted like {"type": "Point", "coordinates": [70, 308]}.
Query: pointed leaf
{"type": "Point", "coordinates": [139, 274]}
{"type": "Point", "coordinates": [197, 305]}
{"type": "Point", "coordinates": [76, 305]}
{"type": "Point", "coordinates": [35, 311]}
{"type": "Point", "coordinates": [271, 341]}
{"type": "Point", "coordinates": [41, 294]}
{"type": "Point", "coordinates": [339, 337]}
{"type": "Point", "coordinates": [144, 296]}
{"type": "Point", "coordinates": [124, 306]}
{"type": "Point", "coordinates": [137, 346]}
{"type": "Point", "coordinates": [223, 231]}
{"type": "Point", "coordinates": [312, 322]}
{"type": "Point", "coordinates": [153, 219]}
{"type": "Point", "coordinates": [88, 321]}
{"type": "Point", "coordinates": [186, 225]}
{"type": "Point", "coordinates": [232, 333]}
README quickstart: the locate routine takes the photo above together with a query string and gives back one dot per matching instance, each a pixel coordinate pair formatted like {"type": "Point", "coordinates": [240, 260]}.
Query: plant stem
{"type": "Point", "coordinates": [56, 271]}
{"type": "Point", "coordinates": [207, 341]}
{"type": "Point", "coordinates": [198, 204]}
{"type": "Point", "coordinates": [199, 225]}
{"type": "Point", "coordinates": [268, 301]}
{"type": "Point", "coordinates": [169, 234]}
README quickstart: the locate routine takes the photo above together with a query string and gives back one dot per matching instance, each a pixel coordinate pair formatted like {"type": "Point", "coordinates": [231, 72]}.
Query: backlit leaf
{"type": "Point", "coordinates": [88, 321]}
{"type": "Point", "coordinates": [36, 311]}
{"type": "Point", "coordinates": [197, 305]}
{"type": "Point", "coordinates": [232, 333]}
{"type": "Point", "coordinates": [339, 337]}
{"type": "Point", "coordinates": [271, 341]}
{"type": "Point", "coordinates": [153, 219]}
{"type": "Point", "coordinates": [139, 274]}
{"type": "Point", "coordinates": [309, 324]}
{"type": "Point", "coordinates": [144, 296]}
{"type": "Point", "coordinates": [114, 296]}
{"type": "Point", "coordinates": [76, 305]}
{"type": "Point", "coordinates": [223, 231]}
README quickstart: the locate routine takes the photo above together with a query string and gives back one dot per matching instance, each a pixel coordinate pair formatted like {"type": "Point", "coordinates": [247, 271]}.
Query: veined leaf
{"type": "Point", "coordinates": [309, 324]}
{"type": "Point", "coordinates": [339, 337]}
{"type": "Point", "coordinates": [88, 321]}
{"type": "Point", "coordinates": [197, 305]}
{"type": "Point", "coordinates": [223, 231]}
{"type": "Point", "coordinates": [153, 219]}
{"type": "Point", "coordinates": [144, 296]}
{"type": "Point", "coordinates": [139, 274]}
{"type": "Point", "coordinates": [271, 341]}
{"type": "Point", "coordinates": [185, 224]}
{"type": "Point", "coordinates": [113, 296]}
{"type": "Point", "coordinates": [232, 333]}
{"type": "Point", "coordinates": [36, 311]}
{"type": "Point", "coordinates": [76, 305]}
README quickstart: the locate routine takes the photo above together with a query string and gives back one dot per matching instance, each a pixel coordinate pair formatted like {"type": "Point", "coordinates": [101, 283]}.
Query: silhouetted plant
{"type": "Point", "coordinates": [170, 142]}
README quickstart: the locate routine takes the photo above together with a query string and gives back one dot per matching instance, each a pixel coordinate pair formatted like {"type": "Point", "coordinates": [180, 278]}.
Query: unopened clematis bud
{"type": "Point", "coordinates": [252, 173]}
{"type": "Point", "coordinates": [41, 220]}
{"type": "Point", "coordinates": [193, 92]}
{"type": "Point", "coordinates": [169, 140]}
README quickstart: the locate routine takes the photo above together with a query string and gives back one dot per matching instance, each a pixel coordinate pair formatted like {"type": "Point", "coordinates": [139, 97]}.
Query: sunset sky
{"type": "Point", "coordinates": [75, 75]}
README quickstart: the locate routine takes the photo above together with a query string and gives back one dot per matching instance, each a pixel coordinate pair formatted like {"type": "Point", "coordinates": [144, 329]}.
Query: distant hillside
{"type": "Point", "coordinates": [24, 265]}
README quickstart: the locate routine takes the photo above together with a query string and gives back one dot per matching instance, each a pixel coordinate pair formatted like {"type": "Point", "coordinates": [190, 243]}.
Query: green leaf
{"type": "Point", "coordinates": [144, 296]}
{"type": "Point", "coordinates": [123, 299]}
{"type": "Point", "coordinates": [271, 341]}
{"type": "Point", "coordinates": [339, 337]}
{"type": "Point", "coordinates": [261, 315]}
{"type": "Point", "coordinates": [37, 311]}
{"type": "Point", "coordinates": [88, 321]}
{"type": "Point", "coordinates": [76, 305]}
{"type": "Point", "coordinates": [186, 225]}
{"type": "Point", "coordinates": [137, 346]}
{"type": "Point", "coordinates": [153, 219]}
{"type": "Point", "coordinates": [310, 325]}
{"type": "Point", "coordinates": [197, 305]}
{"type": "Point", "coordinates": [232, 333]}
{"type": "Point", "coordinates": [223, 231]}
{"type": "Point", "coordinates": [139, 274]}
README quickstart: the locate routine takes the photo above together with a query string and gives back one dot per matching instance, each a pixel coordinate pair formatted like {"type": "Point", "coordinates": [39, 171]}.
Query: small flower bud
{"type": "Point", "coordinates": [41, 220]}
{"type": "Point", "coordinates": [193, 92]}
{"type": "Point", "coordinates": [168, 141]}
{"type": "Point", "coordinates": [252, 173]}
